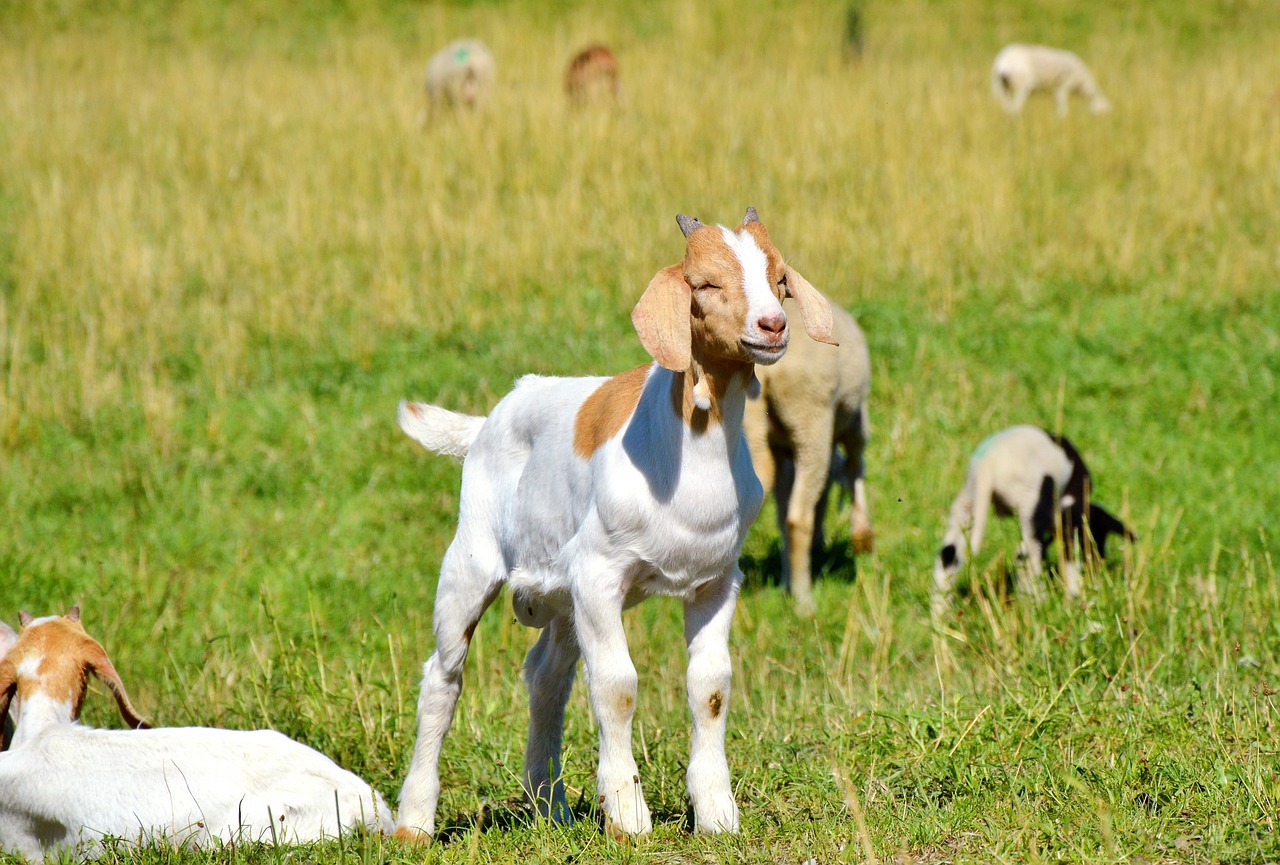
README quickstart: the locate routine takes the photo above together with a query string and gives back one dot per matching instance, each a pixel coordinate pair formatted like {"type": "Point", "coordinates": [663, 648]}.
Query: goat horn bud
{"type": "Point", "coordinates": [688, 224]}
{"type": "Point", "coordinates": [751, 216]}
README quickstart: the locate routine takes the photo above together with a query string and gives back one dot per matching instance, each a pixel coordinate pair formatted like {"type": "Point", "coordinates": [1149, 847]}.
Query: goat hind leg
{"type": "Point", "coordinates": [465, 591]}
{"type": "Point", "coordinates": [548, 673]}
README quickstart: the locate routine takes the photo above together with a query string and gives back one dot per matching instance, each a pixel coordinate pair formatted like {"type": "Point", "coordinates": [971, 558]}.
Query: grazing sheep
{"type": "Point", "coordinates": [589, 495]}
{"type": "Point", "coordinates": [1042, 480]}
{"type": "Point", "coordinates": [592, 72]}
{"type": "Point", "coordinates": [65, 786]}
{"type": "Point", "coordinates": [813, 401]}
{"type": "Point", "coordinates": [7, 639]}
{"type": "Point", "coordinates": [1020, 70]}
{"type": "Point", "coordinates": [460, 75]}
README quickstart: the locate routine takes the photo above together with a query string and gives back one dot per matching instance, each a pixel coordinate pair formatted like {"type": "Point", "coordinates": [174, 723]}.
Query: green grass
{"type": "Point", "coordinates": [227, 249]}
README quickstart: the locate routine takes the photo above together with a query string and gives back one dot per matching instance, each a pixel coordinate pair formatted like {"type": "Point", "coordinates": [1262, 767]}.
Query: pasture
{"type": "Point", "coordinates": [227, 248]}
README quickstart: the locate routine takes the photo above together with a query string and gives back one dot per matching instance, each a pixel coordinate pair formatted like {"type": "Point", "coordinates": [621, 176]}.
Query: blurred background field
{"type": "Point", "coordinates": [227, 248]}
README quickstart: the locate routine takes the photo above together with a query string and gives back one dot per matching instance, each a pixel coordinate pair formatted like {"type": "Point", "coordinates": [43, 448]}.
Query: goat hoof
{"type": "Point", "coordinates": [864, 540]}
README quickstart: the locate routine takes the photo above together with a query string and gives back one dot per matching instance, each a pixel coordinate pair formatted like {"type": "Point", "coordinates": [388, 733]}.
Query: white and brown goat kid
{"type": "Point", "coordinates": [588, 495]}
{"type": "Point", "coordinates": [65, 786]}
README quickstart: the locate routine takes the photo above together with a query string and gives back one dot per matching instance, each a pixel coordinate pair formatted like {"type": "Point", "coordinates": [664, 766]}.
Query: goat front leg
{"type": "Point", "coordinates": [611, 679]}
{"type": "Point", "coordinates": [465, 591]}
{"type": "Point", "coordinates": [812, 464]}
{"type": "Point", "coordinates": [707, 618]}
{"type": "Point", "coordinates": [548, 672]}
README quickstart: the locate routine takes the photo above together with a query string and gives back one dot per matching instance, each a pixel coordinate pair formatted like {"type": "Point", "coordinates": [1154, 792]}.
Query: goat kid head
{"type": "Point", "coordinates": [724, 301]}
{"type": "Point", "coordinates": [52, 659]}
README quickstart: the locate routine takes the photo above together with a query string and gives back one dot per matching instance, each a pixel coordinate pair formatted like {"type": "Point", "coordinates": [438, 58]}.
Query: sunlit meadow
{"type": "Point", "coordinates": [228, 246]}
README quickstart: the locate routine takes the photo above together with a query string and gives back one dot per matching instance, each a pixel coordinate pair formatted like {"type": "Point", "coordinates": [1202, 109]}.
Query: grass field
{"type": "Point", "coordinates": [227, 248]}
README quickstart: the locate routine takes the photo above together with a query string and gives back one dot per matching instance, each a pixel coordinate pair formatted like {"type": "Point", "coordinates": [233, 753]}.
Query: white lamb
{"type": "Point", "coordinates": [1042, 480]}
{"type": "Point", "coordinates": [1020, 70]}
{"type": "Point", "coordinates": [65, 787]}
{"type": "Point", "coordinates": [813, 401]}
{"type": "Point", "coordinates": [588, 495]}
{"type": "Point", "coordinates": [460, 75]}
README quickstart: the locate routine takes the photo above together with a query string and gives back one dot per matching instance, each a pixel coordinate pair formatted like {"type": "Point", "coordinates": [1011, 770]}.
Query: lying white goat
{"type": "Point", "coordinates": [588, 495]}
{"type": "Point", "coordinates": [1020, 70]}
{"type": "Point", "coordinates": [1043, 481]}
{"type": "Point", "coordinates": [64, 787]}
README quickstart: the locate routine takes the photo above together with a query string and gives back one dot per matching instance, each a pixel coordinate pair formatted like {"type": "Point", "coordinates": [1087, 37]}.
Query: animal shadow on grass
{"type": "Point", "coordinates": [833, 560]}
{"type": "Point", "coordinates": [514, 812]}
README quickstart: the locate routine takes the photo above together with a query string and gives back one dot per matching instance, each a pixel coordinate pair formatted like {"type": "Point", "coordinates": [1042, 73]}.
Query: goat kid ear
{"type": "Point", "coordinates": [100, 665]}
{"type": "Point", "coordinates": [8, 687]}
{"type": "Point", "coordinates": [814, 308]}
{"type": "Point", "coordinates": [74, 613]}
{"type": "Point", "coordinates": [661, 319]}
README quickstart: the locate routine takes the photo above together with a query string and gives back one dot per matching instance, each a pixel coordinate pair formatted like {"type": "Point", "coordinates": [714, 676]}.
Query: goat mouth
{"type": "Point", "coordinates": [765, 352]}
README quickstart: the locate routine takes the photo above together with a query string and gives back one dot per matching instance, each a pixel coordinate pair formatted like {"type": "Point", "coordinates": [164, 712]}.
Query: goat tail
{"type": "Point", "coordinates": [437, 429]}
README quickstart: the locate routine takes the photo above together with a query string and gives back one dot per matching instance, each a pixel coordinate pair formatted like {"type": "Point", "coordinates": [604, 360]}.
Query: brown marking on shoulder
{"type": "Point", "coordinates": [604, 412]}
{"type": "Point", "coordinates": [716, 704]}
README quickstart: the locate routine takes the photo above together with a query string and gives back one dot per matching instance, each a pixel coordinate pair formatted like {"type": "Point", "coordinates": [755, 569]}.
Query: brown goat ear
{"type": "Point", "coordinates": [74, 613]}
{"type": "Point", "coordinates": [100, 665]}
{"type": "Point", "coordinates": [661, 318]}
{"type": "Point", "coordinates": [8, 687]}
{"type": "Point", "coordinates": [814, 308]}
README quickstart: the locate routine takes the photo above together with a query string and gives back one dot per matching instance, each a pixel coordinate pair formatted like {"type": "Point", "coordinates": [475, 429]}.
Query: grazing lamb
{"type": "Point", "coordinates": [65, 786]}
{"type": "Point", "coordinates": [460, 75]}
{"type": "Point", "coordinates": [589, 495]}
{"type": "Point", "coordinates": [1042, 480]}
{"type": "Point", "coordinates": [813, 401]}
{"type": "Point", "coordinates": [7, 639]}
{"type": "Point", "coordinates": [592, 72]}
{"type": "Point", "coordinates": [1020, 70]}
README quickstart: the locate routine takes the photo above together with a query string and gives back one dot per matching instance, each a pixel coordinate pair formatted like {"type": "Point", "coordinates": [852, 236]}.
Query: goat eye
{"type": "Point", "coordinates": [782, 280]}
{"type": "Point", "coordinates": [711, 286]}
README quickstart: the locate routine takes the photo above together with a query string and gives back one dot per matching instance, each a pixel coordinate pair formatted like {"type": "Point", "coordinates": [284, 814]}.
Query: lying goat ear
{"type": "Point", "coordinates": [661, 318]}
{"type": "Point", "coordinates": [814, 308]}
{"type": "Point", "coordinates": [100, 665]}
{"type": "Point", "coordinates": [8, 687]}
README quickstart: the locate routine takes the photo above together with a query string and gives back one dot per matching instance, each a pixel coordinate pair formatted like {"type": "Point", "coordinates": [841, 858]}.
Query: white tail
{"type": "Point", "coordinates": [437, 429]}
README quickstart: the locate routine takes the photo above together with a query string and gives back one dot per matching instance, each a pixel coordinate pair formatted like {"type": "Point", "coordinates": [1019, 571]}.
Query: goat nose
{"type": "Point", "coordinates": [774, 322]}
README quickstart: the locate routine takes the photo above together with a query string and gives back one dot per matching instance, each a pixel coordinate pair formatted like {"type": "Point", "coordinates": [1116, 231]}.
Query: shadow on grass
{"type": "Point", "coordinates": [833, 562]}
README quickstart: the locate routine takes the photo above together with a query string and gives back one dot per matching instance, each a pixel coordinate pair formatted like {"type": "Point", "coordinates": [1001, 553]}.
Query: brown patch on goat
{"type": "Point", "coordinates": [408, 835]}
{"type": "Point", "coordinates": [716, 704]}
{"type": "Point", "coordinates": [606, 410]}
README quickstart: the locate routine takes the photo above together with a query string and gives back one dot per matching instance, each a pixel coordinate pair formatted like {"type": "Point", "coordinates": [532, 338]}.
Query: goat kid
{"type": "Point", "coordinates": [813, 401]}
{"type": "Point", "coordinates": [588, 495]}
{"type": "Point", "coordinates": [1020, 70]}
{"type": "Point", "coordinates": [1042, 480]}
{"type": "Point", "coordinates": [64, 787]}
{"type": "Point", "coordinates": [592, 72]}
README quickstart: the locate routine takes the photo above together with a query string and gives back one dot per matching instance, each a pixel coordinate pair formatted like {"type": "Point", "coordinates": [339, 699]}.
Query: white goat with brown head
{"type": "Point", "coordinates": [588, 495]}
{"type": "Point", "coordinates": [65, 786]}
